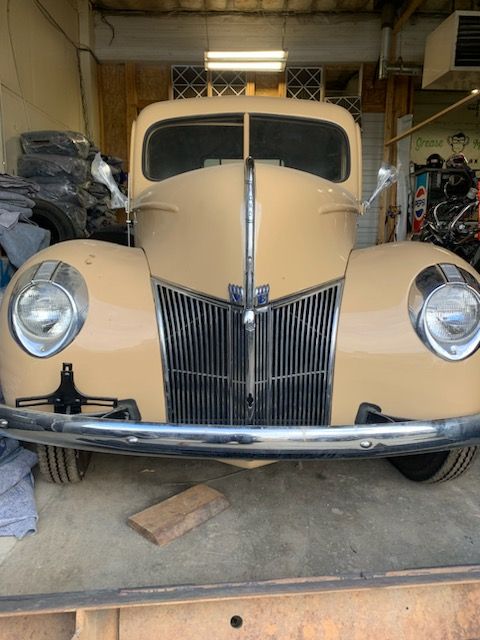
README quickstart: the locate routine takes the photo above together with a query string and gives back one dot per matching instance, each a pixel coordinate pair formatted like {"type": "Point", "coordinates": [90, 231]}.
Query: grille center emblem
{"type": "Point", "coordinates": [236, 294]}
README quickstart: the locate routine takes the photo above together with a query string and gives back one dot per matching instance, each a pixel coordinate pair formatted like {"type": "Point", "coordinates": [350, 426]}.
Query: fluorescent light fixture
{"type": "Point", "coordinates": [245, 66]}
{"type": "Point", "coordinates": [246, 60]}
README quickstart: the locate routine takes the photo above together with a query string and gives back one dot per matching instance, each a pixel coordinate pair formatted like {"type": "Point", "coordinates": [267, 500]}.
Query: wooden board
{"type": "Point", "coordinates": [152, 82]}
{"type": "Point", "coordinates": [113, 109]}
{"type": "Point", "coordinates": [173, 517]}
{"type": "Point", "coordinates": [374, 91]}
{"type": "Point", "coordinates": [125, 89]}
{"type": "Point", "coordinates": [269, 84]}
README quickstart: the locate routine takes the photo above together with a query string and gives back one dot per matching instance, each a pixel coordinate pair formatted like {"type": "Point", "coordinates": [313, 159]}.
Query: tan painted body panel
{"type": "Point", "coordinates": [195, 235]}
{"type": "Point", "coordinates": [117, 352]}
{"type": "Point", "coordinates": [379, 357]}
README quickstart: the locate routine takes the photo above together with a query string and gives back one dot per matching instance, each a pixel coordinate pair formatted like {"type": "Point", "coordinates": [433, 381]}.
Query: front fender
{"type": "Point", "coordinates": [117, 351]}
{"type": "Point", "coordinates": [379, 357]}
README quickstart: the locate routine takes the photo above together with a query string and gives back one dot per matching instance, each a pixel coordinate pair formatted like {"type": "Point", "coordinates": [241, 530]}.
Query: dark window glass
{"type": "Point", "coordinates": [183, 145]}
{"type": "Point", "coordinates": [312, 146]}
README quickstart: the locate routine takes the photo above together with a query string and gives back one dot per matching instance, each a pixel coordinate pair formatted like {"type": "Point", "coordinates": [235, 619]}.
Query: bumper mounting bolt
{"type": "Point", "coordinates": [132, 439]}
{"type": "Point", "coordinates": [366, 444]}
{"type": "Point", "coordinates": [3, 423]}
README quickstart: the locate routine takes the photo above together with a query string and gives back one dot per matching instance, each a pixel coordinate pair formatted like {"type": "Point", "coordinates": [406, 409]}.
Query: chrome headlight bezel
{"type": "Point", "coordinates": [427, 284]}
{"type": "Point", "coordinates": [67, 280]}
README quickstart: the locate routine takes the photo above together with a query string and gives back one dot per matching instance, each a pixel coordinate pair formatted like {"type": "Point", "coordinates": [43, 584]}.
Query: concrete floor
{"type": "Point", "coordinates": [285, 520]}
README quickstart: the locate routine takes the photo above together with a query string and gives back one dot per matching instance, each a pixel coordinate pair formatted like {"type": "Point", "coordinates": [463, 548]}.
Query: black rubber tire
{"type": "Point", "coordinates": [50, 217]}
{"type": "Point", "coordinates": [62, 466]}
{"type": "Point", "coordinates": [435, 467]}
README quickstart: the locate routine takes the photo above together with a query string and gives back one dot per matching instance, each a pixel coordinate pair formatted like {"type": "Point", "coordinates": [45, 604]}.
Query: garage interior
{"type": "Point", "coordinates": [91, 67]}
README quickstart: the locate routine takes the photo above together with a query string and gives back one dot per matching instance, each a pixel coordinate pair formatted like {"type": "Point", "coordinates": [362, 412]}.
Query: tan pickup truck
{"type": "Point", "coordinates": [243, 325]}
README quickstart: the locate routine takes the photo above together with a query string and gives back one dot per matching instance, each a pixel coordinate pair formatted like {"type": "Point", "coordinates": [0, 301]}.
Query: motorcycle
{"type": "Point", "coordinates": [454, 223]}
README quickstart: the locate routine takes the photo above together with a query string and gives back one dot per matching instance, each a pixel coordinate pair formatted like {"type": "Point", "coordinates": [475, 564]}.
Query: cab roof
{"type": "Point", "coordinates": [243, 104]}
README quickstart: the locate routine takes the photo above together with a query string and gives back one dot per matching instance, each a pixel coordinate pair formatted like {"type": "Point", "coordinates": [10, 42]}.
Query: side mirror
{"type": "Point", "coordinates": [387, 175]}
{"type": "Point", "coordinates": [101, 172]}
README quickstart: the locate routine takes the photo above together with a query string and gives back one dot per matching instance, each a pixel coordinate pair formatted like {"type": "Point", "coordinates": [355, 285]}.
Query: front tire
{"type": "Point", "coordinates": [62, 466]}
{"type": "Point", "coordinates": [435, 467]}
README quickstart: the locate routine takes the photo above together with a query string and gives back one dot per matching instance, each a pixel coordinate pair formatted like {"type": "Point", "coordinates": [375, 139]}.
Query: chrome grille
{"type": "Point", "coordinates": [203, 343]}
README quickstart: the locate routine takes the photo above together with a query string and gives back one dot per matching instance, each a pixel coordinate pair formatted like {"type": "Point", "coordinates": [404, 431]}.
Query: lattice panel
{"type": "Point", "coordinates": [189, 82]}
{"type": "Point", "coordinates": [350, 103]}
{"type": "Point", "coordinates": [229, 83]}
{"type": "Point", "coordinates": [304, 83]}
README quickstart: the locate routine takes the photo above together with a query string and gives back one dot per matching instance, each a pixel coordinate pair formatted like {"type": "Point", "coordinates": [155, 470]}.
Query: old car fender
{"type": "Point", "coordinates": [379, 357]}
{"type": "Point", "coordinates": [117, 352]}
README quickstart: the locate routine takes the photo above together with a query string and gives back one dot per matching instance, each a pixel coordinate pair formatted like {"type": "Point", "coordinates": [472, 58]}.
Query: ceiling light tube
{"type": "Point", "coordinates": [245, 55]}
{"type": "Point", "coordinates": [245, 66]}
{"type": "Point", "coordinates": [246, 60]}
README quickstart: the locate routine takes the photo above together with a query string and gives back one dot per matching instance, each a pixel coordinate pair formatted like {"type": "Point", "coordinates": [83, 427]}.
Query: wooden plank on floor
{"type": "Point", "coordinates": [173, 517]}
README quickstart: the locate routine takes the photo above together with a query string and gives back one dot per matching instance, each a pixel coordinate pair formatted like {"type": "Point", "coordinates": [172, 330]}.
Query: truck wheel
{"type": "Point", "coordinates": [62, 466]}
{"type": "Point", "coordinates": [435, 467]}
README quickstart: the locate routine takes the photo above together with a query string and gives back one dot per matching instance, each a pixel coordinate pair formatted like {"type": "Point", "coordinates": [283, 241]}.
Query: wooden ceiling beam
{"type": "Point", "coordinates": [407, 13]}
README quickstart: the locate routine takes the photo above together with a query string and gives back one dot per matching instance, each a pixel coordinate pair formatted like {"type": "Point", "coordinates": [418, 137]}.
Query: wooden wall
{"type": "Point", "coordinates": [374, 91]}
{"type": "Point", "coordinates": [125, 89]}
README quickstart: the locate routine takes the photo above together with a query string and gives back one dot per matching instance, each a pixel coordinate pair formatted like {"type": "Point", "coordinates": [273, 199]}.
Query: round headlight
{"type": "Point", "coordinates": [452, 313]}
{"type": "Point", "coordinates": [43, 310]}
{"type": "Point", "coordinates": [48, 307]}
{"type": "Point", "coordinates": [444, 307]}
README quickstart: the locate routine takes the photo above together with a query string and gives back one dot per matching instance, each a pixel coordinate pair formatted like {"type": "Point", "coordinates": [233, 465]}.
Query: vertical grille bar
{"type": "Point", "coordinates": [204, 355]}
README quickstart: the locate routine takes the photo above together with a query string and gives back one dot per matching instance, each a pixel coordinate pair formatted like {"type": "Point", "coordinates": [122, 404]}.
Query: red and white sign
{"type": "Point", "coordinates": [419, 208]}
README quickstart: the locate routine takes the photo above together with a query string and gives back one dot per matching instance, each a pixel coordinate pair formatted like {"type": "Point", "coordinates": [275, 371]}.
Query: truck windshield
{"type": "Point", "coordinates": [314, 146]}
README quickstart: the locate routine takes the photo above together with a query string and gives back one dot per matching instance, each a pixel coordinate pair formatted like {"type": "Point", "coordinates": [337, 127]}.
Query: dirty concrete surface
{"type": "Point", "coordinates": [285, 520]}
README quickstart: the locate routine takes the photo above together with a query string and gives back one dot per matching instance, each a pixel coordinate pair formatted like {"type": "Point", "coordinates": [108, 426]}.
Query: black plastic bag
{"type": "Point", "coordinates": [55, 190]}
{"type": "Point", "coordinates": [53, 166]}
{"type": "Point", "coordinates": [64, 143]}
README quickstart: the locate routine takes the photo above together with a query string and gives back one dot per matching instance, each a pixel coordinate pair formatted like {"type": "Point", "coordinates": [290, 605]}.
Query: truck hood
{"type": "Point", "coordinates": [192, 229]}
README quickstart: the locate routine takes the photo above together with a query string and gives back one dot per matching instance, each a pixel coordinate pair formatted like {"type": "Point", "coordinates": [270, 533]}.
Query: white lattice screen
{"type": "Point", "coordinates": [189, 82]}
{"type": "Point", "coordinates": [195, 82]}
{"type": "Point", "coordinates": [304, 83]}
{"type": "Point", "coordinates": [350, 103]}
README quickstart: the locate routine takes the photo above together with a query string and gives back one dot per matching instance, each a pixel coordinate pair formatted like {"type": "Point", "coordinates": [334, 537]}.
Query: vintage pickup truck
{"type": "Point", "coordinates": [243, 326]}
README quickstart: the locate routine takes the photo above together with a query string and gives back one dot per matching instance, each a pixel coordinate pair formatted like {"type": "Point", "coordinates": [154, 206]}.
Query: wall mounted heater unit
{"type": "Point", "coordinates": [452, 53]}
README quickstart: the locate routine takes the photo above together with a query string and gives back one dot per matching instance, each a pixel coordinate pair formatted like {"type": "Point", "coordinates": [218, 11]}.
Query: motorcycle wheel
{"type": "Point", "coordinates": [435, 467]}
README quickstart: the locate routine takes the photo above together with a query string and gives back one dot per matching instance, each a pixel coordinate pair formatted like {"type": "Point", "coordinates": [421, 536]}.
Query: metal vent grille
{"type": "Point", "coordinates": [203, 342]}
{"type": "Point", "coordinates": [467, 51]}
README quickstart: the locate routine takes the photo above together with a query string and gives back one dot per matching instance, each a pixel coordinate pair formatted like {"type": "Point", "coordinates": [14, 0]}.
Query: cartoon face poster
{"type": "Point", "coordinates": [446, 141]}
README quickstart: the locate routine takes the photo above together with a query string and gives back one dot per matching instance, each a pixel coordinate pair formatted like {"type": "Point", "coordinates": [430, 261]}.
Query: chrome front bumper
{"type": "Point", "coordinates": [245, 442]}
